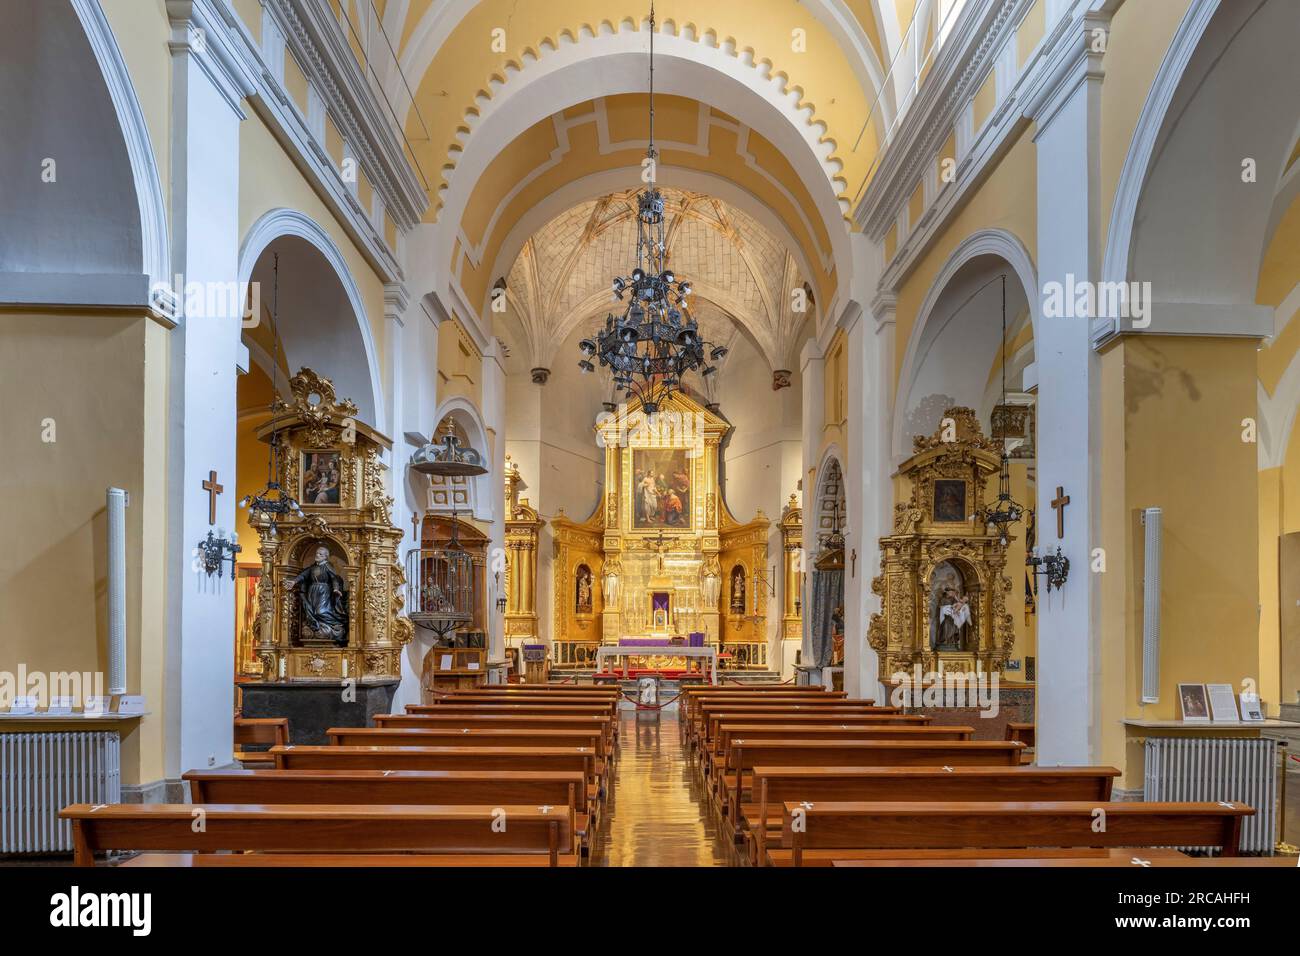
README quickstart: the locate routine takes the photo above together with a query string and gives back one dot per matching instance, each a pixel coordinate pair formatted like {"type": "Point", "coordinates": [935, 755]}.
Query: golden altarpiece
{"type": "Point", "coordinates": [942, 587]}
{"type": "Point", "coordinates": [523, 531]}
{"type": "Point", "coordinates": [662, 557]}
{"type": "Point", "coordinates": [330, 463]}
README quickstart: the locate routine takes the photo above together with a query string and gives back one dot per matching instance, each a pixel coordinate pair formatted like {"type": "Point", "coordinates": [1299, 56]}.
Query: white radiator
{"type": "Point", "coordinates": [1239, 769]}
{"type": "Point", "coordinates": [41, 773]}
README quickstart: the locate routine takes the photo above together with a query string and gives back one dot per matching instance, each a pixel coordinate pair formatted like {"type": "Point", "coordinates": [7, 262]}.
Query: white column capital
{"type": "Point", "coordinates": [1075, 57]}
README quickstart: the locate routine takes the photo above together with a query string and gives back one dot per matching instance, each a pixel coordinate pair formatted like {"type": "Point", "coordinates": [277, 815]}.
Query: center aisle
{"type": "Point", "coordinates": [658, 813]}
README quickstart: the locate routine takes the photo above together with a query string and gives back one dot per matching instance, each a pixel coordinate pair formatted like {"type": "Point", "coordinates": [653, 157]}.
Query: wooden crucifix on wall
{"type": "Point", "coordinates": [1059, 503]}
{"type": "Point", "coordinates": [213, 489]}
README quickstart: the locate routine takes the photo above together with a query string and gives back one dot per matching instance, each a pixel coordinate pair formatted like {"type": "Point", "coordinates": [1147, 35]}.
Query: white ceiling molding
{"type": "Point", "coordinates": [317, 40]}
{"type": "Point", "coordinates": [962, 63]}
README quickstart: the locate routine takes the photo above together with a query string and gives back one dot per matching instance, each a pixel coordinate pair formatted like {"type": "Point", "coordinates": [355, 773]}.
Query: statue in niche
{"type": "Point", "coordinates": [583, 603]}
{"type": "Point", "coordinates": [950, 614]}
{"type": "Point", "coordinates": [737, 590]}
{"type": "Point", "coordinates": [322, 601]}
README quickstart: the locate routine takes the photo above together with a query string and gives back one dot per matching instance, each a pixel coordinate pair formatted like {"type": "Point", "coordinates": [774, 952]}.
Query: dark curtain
{"type": "Point", "coordinates": [827, 595]}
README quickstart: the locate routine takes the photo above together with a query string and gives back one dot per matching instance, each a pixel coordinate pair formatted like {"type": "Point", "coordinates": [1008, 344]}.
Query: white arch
{"type": "Point", "coordinates": [290, 222]}
{"type": "Point", "coordinates": [1132, 176]}
{"type": "Point", "coordinates": [995, 242]}
{"type": "Point", "coordinates": [1277, 416]}
{"type": "Point", "coordinates": [831, 453]}
{"type": "Point", "coordinates": [155, 247]}
{"type": "Point", "coordinates": [483, 502]}
{"type": "Point", "coordinates": [613, 63]}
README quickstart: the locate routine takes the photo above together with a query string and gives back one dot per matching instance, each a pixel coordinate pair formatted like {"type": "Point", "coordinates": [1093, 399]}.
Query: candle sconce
{"type": "Point", "coordinates": [214, 550]}
{"type": "Point", "coordinates": [1054, 567]}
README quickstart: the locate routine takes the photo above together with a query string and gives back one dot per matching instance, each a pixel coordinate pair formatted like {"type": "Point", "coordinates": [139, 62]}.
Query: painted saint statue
{"type": "Point", "coordinates": [950, 614]}
{"type": "Point", "coordinates": [322, 601]}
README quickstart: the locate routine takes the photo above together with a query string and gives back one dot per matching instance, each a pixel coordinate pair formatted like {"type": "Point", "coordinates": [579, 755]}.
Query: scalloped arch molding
{"type": "Point", "coordinates": [612, 63]}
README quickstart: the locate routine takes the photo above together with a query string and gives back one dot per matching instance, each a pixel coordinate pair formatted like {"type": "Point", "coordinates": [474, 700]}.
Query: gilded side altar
{"type": "Point", "coordinates": [942, 587]}
{"type": "Point", "coordinates": [329, 462]}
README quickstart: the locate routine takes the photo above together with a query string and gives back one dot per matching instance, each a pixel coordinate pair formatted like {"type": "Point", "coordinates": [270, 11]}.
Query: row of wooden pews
{"type": "Point", "coordinates": [808, 777]}
{"type": "Point", "coordinates": [505, 776]}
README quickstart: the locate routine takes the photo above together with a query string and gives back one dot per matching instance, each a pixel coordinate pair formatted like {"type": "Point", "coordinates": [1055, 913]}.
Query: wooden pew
{"type": "Point", "coordinates": [539, 721]}
{"type": "Point", "coordinates": [593, 738]}
{"type": "Point", "coordinates": [775, 786]}
{"type": "Point", "coordinates": [690, 696]}
{"type": "Point", "coordinates": [533, 700]}
{"type": "Point", "coordinates": [271, 731]}
{"type": "Point", "coordinates": [510, 690]}
{"type": "Point", "coordinates": [1131, 858]}
{"type": "Point", "coordinates": [830, 831]}
{"type": "Point", "coordinates": [389, 787]}
{"type": "Point", "coordinates": [291, 828]}
{"type": "Point", "coordinates": [517, 707]}
{"type": "Point", "coordinates": [831, 718]}
{"type": "Point", "coordinates": [556, 759]}
{"type": "Point", "coordinates": [705, 708]}
{"type": "Point", "coordinates": [1025, 734]}
{"type": "Point", "coordinates": [757, 733]}
{"type": "Point", "coordinates": [855, 753]}
{"type": "Point", "coordinates": [349, 860]}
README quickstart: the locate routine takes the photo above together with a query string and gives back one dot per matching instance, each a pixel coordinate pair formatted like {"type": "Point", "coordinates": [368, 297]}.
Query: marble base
{"type": "Point", "coordinates": [315, 706]}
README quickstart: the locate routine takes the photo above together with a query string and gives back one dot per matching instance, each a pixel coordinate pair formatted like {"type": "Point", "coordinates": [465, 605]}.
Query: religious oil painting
{"type": "Point", "coordinates": [249, 577]}
{"type": "Point", "coordinates": [1193, 702]}
{"type": "Point", "coordinates": [661, 488]}
{"type": "Point", "coordinates": [320, 477]}
{"type": "Point", "coordinates": [949, 500]}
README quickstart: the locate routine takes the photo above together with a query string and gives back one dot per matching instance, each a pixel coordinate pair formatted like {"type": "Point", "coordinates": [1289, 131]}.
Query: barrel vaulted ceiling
{"type": "Point", "coordinates": [742, 275]}
{"type": "Point", "coordinates": [441, 63]}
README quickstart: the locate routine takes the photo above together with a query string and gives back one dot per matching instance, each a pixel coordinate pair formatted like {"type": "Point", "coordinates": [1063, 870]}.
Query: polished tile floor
{"type": "Point", "coordinates": [658, 813]}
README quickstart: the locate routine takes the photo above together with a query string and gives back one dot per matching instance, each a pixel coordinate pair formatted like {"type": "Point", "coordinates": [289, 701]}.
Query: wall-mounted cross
{"type": "Point", "coordinates": [213, 489]}
{"type": "Point", "coordinates": [1059, 503]}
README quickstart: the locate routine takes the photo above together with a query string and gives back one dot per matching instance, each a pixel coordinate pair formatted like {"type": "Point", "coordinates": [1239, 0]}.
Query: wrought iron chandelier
{"type": "Point", "coordinates": [656, 341]}
{"type": "Point", "coordinates": [272, 502]}
{"type": "Point", "coordinates": [1005, 511]}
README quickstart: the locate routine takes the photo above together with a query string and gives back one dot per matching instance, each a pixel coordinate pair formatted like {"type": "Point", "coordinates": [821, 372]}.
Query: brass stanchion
{"type": "Point", "coordinates": [1282, 848]}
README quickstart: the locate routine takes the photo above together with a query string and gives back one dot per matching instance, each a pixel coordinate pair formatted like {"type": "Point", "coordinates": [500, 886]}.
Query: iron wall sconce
{"type": "Point", "coordinates": [1054, 567]}
{"type": "Point", "coordinates": [215, 551]}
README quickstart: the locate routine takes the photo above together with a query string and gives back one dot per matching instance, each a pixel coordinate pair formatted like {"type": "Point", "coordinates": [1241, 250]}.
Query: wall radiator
{"type": "Point", "coordinates": [41, 773]}
{"type": "Point", "coordinates": [1239, 769]}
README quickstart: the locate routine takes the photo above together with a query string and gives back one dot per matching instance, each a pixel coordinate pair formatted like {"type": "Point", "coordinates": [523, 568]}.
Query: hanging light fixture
{"type": "Point", "coordinates": [440, 579]}
{"type": "Point", "coordinates": [272, 502]}
{"type": "Point", "coordinates": [1005, 511]}
{"type": "Point", "coordinates": [656, 341]}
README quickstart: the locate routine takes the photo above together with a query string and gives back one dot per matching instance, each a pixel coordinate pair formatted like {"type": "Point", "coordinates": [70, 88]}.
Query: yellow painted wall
{"type": "Point", "coordinates": [269, 180]}
{"type": "Point", "coordinates": [295, 82]}
{"type": "Point", "coordinates": [986, 97]}
{"type": "Point", "coordinates": [250, 13]}
{"type": "Point", "coordinates": [460, 365]}
{"type": "Point", "coordinates": [1185, 398]}
{"type": "Point", "coordinates": [109, 421]}
{"type": "Point", "coordinates": [1030, 32]}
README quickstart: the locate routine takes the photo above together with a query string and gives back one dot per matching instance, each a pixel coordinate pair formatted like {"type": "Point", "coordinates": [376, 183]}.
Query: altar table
{"type": "Point", "coordinates": [627, 651]}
